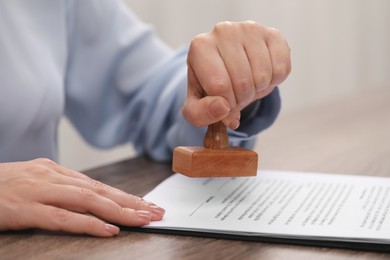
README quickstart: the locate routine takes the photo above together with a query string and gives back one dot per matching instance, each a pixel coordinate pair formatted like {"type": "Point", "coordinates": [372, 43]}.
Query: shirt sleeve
{"type": "Point", "coordinates": [125, 85]}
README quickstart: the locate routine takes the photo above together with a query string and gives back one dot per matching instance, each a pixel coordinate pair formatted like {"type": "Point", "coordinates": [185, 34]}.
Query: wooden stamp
{"type": "Point", "coordinates": [216, 158]}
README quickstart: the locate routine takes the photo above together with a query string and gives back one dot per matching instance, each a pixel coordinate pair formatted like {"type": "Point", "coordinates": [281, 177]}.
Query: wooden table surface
{"type": "Point", "coordinates": [349, 135]}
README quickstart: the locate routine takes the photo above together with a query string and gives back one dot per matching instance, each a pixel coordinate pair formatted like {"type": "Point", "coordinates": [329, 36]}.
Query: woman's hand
{"type": "Point", "coordinates": [234, 64]}
{"type": "Point", "coordinates": [42, 194]}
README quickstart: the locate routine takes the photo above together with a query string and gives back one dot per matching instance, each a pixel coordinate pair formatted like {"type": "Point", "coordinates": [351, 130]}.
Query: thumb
{"type": "Point", "coordinates": [206, 110]}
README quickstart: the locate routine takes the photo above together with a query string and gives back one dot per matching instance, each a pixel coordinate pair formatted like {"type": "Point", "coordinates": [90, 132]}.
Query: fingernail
{"type": "Point", "coordinates": [149, 203]}
{"type": "Point", "coordinates": [260, 87]}
{"type": "Point", "coordinates": [157, 210]}
{"type": "Point", "coordinates": [218, 108]}
{"type": "Point", "coordinates": [234, 124]}
{"type": "Point", "coordinates": [112, 229]}
{"type": "Point", "coordinates": [144, 214]}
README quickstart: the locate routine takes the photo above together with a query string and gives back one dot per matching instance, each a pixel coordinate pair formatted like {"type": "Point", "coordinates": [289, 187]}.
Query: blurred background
{"type": "Point", "coordinates": [338, 47]}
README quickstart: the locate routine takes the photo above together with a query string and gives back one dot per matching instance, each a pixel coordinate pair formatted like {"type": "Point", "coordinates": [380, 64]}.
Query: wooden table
{"type": "Point", "coordinates": [349, 135]}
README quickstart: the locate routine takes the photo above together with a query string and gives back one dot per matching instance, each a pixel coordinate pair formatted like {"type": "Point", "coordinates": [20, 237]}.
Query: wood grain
{"type": "Point", "coordinates": [349, 135]}
{"type": "Point", "coordinates": [200, 162]}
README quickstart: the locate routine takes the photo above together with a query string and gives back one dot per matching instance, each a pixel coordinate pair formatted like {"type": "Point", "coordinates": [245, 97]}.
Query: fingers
{"type": "Point", "coordinates": [203, 110]}
{"type": "Point", "coordinates": [242, 81]}
{"type": "Point", "coordinates": [236, 60]}
{"type": "Point", "coordinates": [84, 200]}
{"type": "Point", "coordinates": [73, 178]}
{"type": "Point", "coordinates": [46, 172]}
{"type": "Point", "coordinates": [207, 67]}
{"type": "Point", "coordinates": [207, 76]}
{"type": "Point", "coordinates": [57, 219]}
{"type": "Point", "coordinates": [280, 56]}
{"type": "Point", "coordinates": [260, 62]}
{"type": "Point", "coordinates": [20, 209]}
{"type": "Point", "coordinates": [240, 62]}
{"type": "Point", "coordinates": [121, 198]}
{"type": "Point", "coordinates": [42, 194]}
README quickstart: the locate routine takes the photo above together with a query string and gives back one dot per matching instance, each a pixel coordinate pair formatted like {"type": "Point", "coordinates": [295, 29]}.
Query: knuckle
{"type": "Point", "coordinates": [199, 42]}
{"type": "Point", "coordinates": [262, 79]}
{"type": "Point", "coordinates": [87, 194]}
{"type": "Point", "coordinates": [185, 111]}
{"type": "Point", "coordinates": [60, 215]}
{"type": "Point", "coordinates": [90, 223]}
{"type": "Point", "coordinates": [251, 28]}
{"type": "Point", "coordinates": [137, 202]}
{"type": "Point", "coordinates": [243, 85]}
{"type": "Point", "coordinates": [226, 31]}
{"type": "Point", "coordinates": [248, 26]}
{"type": "Point", "coordinates": [244, 91]}
{"type": "Point", "coordinates": [222, 26]}
{"type": "Point", "coordinates": [218, 86]}
{"type": "Point", "coordinates": [44, 161]}
{"type": "Point", "coordinates": [282, 70]}
{"type": "Point", "coordinates": [99, 187]}
{"type": "Point", "coordinates": [122, 213]}
{"type": "Point", "coordinates": [276, 34]}
{"type": "Point", "coordinates": [273, 32]}
{"type": "Point", "coordinates": [41, 166]}
{"type": "Point", "coordinates": [251, 23]}
{"type": "Point", "coordinates": [254, 27]}
{"type": "Point", "coordinates": [40, 169]}
{"type": "Point", "coordinates": [188, 113]}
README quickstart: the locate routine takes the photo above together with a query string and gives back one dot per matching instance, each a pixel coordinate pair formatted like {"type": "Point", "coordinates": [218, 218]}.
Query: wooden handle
{"type": "Point", "coordinates": [216, 137]}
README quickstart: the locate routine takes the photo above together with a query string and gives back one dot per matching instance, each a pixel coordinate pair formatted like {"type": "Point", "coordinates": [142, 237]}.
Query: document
{"type": "Point", "coordinates": [291, 206]}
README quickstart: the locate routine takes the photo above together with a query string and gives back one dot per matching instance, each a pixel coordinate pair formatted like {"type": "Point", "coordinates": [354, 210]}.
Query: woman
{"type": "Point", "coordinates": [95, 62]}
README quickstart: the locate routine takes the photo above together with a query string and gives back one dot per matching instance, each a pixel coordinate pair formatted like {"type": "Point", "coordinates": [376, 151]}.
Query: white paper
{"type": "Point", "coordinates": [279, 204]}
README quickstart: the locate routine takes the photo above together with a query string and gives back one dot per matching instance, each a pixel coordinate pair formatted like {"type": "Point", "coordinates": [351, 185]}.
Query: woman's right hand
{"type": "Point", "coordinates": [42, 194]}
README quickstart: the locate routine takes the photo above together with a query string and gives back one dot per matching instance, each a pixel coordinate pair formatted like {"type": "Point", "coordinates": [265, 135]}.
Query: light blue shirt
{"type": "Point", "coordinates": [95, 62]}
